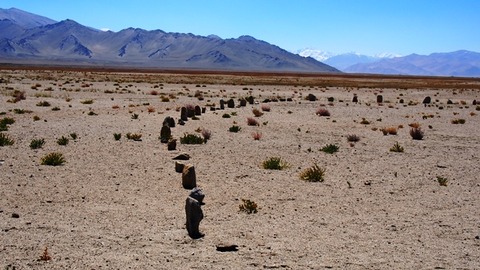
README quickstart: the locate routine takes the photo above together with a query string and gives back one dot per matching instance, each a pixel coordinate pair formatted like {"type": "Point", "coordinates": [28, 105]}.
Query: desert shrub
{"type": "Point", "coordinates": [74, 136]}
{"type": "Point", "coordinates": [153, 92]}
{"type": "Point", "coordinates": [389, 130]}
{"type": "Point", "coordinates": [191, 139]}
{"type": "Point", "coordinates": [252, 121]}
{"type": "Point", "coordinates": [248, 206]}
{"type": "Point", "coordinates": [134, 116]}
{"type": "Point", "coordinates": [43, 104]}
{"type": "Point", "coordinates": [353, 138]}
{"type": "Point", "coordinates": [397, 148]}
{"type": "Point", "coordinates": [458, 121]}
{"type": "Point", "coordinates": [36, 118]}
{"type": "Point", "coordinates": [206, 134]}
{"type": "Point", "coordinates": [257, 112]}
{"type": "Point", "coordinates": [364, 122]}
{"type": "Point", "coordinates": [331, 99]}
{"type": "Point", "coordinates": [226, 115]}
{"type": "Point", "coordinates": [6, 140]}
{"type": "Point", "coordinates": [87, 101]}
{"type": "Point", "coordinates": [5, 122]}
{"type": "Point", "coordinates": [134, 136]}
{"type": "Point", "coordinates": [414, 125]}
{"type": "Point", "coordinates": [150, 109]}
{"type": "Point", "coordinates": [18, 95]}
{"type": "Point", "coordinates": [234, 128]}
{"type": "Point", "coordinates": [21, 111]}
{"type": "Point", "coordinates": [416, 133]}
{"type": "Point", "coordinates": [442, 181]}
{"type": "Point", "coordinates": [63, 140]}
{"type": "Point", "coordinates": [117, 136]}
{"type": "Point", "coordinates": [330, 148]}
{"type": "Point", "coordinates": [55, 108]}
{"type": "Point", "coordinates": [45, 255]}
{"type": "Point", "coordinates": [322, 112]}
{"type": "Point", "coordinates": [37, 143]}
{"type": "Point", "coordinates": [91, 113]}
{"type": "Point", "coordinates": [53, 159]}
{"type": "Point", "coordinates": [274, 163]}
{"type": "Point", "coordinates": [256, 135]}
{"type": "Point", "coordinates": [313, 174]}
{"type": "Point", "coordinates": [164, 99]}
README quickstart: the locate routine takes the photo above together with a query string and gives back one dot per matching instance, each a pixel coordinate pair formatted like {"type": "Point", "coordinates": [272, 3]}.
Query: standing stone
{"type": "Point", "coordinates": [474, 102]}
{"type": "Point", "coordinates": [194, 213]}
{"type": "Point", "coordinates": [179, 166]}
{"type": "Point", "coordinates": [169, 121]}
{"type": "Point", "coordinates": [231, 103]}
{"type": "Point", "coordinates": [171, 144]}
{"type": "Point", "coordinates": [243, 102]}
{"type": "Point", "coordinates": [165, 134]}
{"type": "Point", "coordinates": [311, 97]}
{"type": "Point", "coordinates": [251, 100]}
{"type": "Point", "coordinates": [183, 114]}
{"type": "Point", "coordinates": [189, 178]}
{"type": "Point", "coordinates": [379, 99]}
{"type": "Point", "coordinates": [190, 111]}
{"type": "Point", "coordinates": [198, 110]}
{"type": "Point", "coordinates": [204, 109]}
{"type": "Point", "coordinates": [355, 99]}
{"type": "Point", "coordinates": [222, 104]}
{"type": "Point", "coordinates": [427, 100]}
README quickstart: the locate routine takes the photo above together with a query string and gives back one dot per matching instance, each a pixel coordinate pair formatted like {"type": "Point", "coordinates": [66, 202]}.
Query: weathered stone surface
{"type": "Point", "coordinates": [183, 114]}
{"type": "Point", "coordinates": [189, 177]}
{"type": "Point", "coordinates": [179, 166]}
{"type": "Point", "coordinates": [194, 214]}
{"type": "Point", "coordinates": [231, 103]}
{"type": "Point", "coordinates": [165, 134]}
{"type": "Point", "coordinates": [171, 144]}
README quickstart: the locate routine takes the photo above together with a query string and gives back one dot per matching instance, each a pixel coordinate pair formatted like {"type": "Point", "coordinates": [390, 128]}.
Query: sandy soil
{"type": "Point", "coordinates": [120, 204]}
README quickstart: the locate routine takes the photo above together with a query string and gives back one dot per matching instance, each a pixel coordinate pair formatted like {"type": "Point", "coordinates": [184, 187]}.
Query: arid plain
{"type": "Point", "coordinates": [119, 204]}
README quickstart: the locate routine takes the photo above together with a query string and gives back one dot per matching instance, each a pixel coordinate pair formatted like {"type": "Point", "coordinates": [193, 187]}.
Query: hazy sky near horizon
{"type": "Point", "coordinates": [339, 26]}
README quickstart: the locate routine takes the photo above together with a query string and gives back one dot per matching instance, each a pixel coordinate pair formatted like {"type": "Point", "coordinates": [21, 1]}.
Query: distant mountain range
{"type": "Point", "coordinates": [32, 39]}
{"type": "Point", "coordinates": [460, 63]}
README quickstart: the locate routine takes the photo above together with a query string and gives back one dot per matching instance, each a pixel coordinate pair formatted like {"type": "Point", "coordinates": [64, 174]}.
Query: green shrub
{"type": "Point", "coordinates": [74, 136]}
{"type": "Point", "coordinates": [248, 206]}
{"type": "Point", "coordinates": [274, 163]}
{"type": "Point", "coordinates": [353, 138]}
{"type": "Point", "coordinates": [442, 181]}
{"type": "Point", "coordinates": [5, 122]}
{"type": "Point", "coordinates": [63, 140]}
{"type": "Point", "coordinates": [191, 139]}
{"type": "Point", "coordinates": [234, 129]}
{"type": "Point", "coordinates": [117, 136]}
{"type": "Point", "coordinates": [134, 136]}
{"type": "Point", "coordinates": [37, 143]}
{"type": "Point", "coordinates": [397, 148]}
{"type": "Point", "coordinates": [416, 133]}
{"type": "Point", "coordinates": [53, 159]}
{"type": "Point", "coordinates": [330, 148]}
{"type": "Point", "coordinates": [313, 174]}
{"type": "Point", "coordinates": [6, 140]}
{"type": "Point", "coordinates": [43, 104]}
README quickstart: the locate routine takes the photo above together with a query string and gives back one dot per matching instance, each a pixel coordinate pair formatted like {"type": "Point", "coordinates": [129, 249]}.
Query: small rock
{"type": "Point", "coordinates": [227, 247]}
{"type": "Point", "coordinates": [15, 215]}
{"type": "Point", "coordinates": [179, 167]}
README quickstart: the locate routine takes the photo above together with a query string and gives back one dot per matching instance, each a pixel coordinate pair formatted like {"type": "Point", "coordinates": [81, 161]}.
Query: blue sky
{"type": "Point", "coordinates": [338, 26]}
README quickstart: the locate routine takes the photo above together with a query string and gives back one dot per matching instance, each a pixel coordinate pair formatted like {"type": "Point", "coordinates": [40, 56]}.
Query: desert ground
{"type": "Point", "coordinates": [119, 204]}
